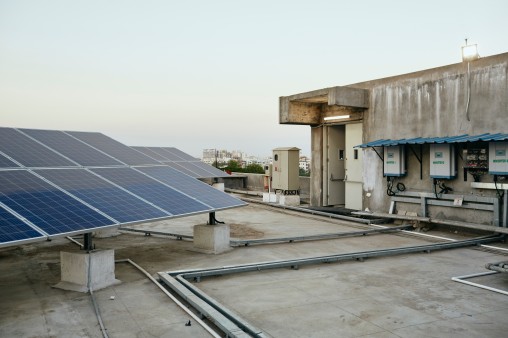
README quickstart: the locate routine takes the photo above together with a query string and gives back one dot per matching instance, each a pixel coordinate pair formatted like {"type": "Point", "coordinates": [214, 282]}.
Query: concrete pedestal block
{"type": "Point", "coordinates": [269, 197]}
{"type": "Point", "coordinates": [211, 238]}
{"type": "Point", "coordinates": [218, 186]}
{"type": "Point", "coordinates": [81, 270]}
{"type": "Point", "coordinates": [289, 200]}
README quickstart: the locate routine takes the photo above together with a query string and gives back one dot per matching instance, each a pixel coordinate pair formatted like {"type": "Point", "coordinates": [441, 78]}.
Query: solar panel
{"type": "Point", "coordinates": [71, 147]}
{"type": "Point", "coordinates": [181, 169]}
{"type": "Point", "coordinates": [176, 203]}
{"type": "Point", "coordinates": [179, 160]}
{"type": "Point", "coordinates": [195, 169]}
{"type": "Point", "coordinates": [207, 194]}
{"type": "Point", "coordinates": [29, 152]}
{"type": "Point", "coordinates": [113, 148]}
{"type": "Point", "coordinates": [48, 208]}
{"type": "Point", "coordinates": [108, 198]}
{"type": "Point", "coordinates": [177, 152]}
{"type": "Point", "coordinates": [148, 152]}
{"type": "Point", "coordinates": [213, 172]}
{"type": "Point", "coordinates": [14, 230]}
{"type": "Point", "coordinates": [6, 163]}
{"type": "Point", "coordinates": [166, 156]}
{"type": "Point", "coordinates": [56, 183]}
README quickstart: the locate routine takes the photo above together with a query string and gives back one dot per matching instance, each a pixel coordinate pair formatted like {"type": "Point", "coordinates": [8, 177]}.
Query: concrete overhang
{"type": "Point", "coordinates": [313, 107]}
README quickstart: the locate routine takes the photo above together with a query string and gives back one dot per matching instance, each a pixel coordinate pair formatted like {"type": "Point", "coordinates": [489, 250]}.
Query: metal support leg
{"type": "Point", "coordinates": [505, 208]}
{"type": "Point", "coordinates": [87, 242]}
{"type": "Point", "coordinates": [211, 218]}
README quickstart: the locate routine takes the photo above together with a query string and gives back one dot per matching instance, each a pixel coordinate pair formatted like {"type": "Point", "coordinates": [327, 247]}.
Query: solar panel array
{"type": "Point", "coordinates": [181, 161]}
{"type": "Point", "coordinates": [56, 183]}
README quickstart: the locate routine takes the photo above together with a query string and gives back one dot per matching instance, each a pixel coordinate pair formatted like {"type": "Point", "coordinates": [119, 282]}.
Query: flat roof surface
{"type": "Point", "coordinates": [401, 296]}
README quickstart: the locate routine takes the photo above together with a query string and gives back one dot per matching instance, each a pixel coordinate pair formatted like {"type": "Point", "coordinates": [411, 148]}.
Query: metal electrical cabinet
{"type": "Point", "coordinates": [285, 170]}
{"type": "Point", "coordinates": [394, 161]}
{"type": "Point", "coordinates": [442, 161]}
{"type": "Point", "coordinates": [498, 158]}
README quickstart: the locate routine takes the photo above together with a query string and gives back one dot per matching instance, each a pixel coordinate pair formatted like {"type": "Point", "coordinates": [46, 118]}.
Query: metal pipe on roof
{"type": "Point", "coordinates": [460, 279]}
{"type": "Point", "coordinates": [499, 266]}
{"type": "Point", "coordinates": [177, 302]}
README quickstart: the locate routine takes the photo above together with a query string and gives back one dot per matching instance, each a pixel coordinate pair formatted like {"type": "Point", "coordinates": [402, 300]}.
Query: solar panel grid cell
{"type": "Point", "coordinates": [195, 169]}
{"type": "Point", "coordinates": [113, 148]}
{"type": "Point", "coordinates": [148, 152]}
{"type": "Point", "coordinates": [207, 194]}
{"type": "Point", "coordinates": [29, 152]}
{"type": "Point", "coordinates": [12, 229]}
{"type": "Point", "coordinates": [48, 208]}
{"type": "Point", "coordinates": [212, 170]}
{"type": "Point", "coordinates": [177, 152]}
{"type": "Point", "coordinates": [181, 169]}
{"type": "Point", "coordinates": [168, 156]}
{"type": "Point", "coordinates": [71, 147]}
{"type": "Point", "coordinates": [6, 163]}
{"type": "Point", "coordinates": [108, 198]}
{"type": "Point", "coordinates": [149, 189]}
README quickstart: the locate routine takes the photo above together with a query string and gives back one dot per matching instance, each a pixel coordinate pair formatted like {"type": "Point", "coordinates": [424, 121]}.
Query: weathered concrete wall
{"type": "Point", "coordinates": [428, 104]}
{"type": "Point", "coordinates": [255, 182]}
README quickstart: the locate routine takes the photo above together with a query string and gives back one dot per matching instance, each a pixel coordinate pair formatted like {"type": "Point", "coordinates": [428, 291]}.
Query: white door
{"type": "Point", "coordinates": [335, 156]}
{"type": "Point", "coordinates": [354, 166]}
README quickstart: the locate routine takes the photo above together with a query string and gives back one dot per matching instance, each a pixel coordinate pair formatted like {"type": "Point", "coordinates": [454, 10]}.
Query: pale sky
{"type": "Point", "coordinates": [208, 74]}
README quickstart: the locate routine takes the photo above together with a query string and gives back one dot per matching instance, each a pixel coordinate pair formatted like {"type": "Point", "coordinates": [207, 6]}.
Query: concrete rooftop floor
{"type": "Point", "coordinates": [401, 296]}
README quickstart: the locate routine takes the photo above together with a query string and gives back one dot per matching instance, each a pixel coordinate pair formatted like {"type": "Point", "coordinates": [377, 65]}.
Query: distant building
{"type": "Point", "coordinates": [304, 163]}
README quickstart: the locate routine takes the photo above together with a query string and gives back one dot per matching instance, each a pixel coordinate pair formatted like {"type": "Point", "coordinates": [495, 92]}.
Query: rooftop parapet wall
{"type": "Point", "coordinates": [434, 102]}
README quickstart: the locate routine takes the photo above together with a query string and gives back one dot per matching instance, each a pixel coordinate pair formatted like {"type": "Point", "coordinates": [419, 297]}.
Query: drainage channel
{"type": "Point", "coordinates": [247, 242]}
{"type": "Point", "coordinates": [235, 326]}
{"type": "Point", "coordinates": [316, 212]}
{"type": "Point", "coordinates": [150, 232]}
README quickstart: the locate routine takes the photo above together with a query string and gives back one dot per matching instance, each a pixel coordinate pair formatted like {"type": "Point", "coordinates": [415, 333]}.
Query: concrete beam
{"type": "Point", "coordinates": [298, 112]}
{"type": "Point", "coordinates": [310, 108]}
{"type": "Point", "coordinates": [348, 97]}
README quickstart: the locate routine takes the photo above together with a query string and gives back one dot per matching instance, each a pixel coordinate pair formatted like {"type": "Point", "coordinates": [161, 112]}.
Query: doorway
{"type": "Point", "coordinates": [343, 166]}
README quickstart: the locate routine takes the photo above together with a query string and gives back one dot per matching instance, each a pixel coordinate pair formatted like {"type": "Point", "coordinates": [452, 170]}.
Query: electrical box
{"type": "Point", "coordinates": [498, 158]}
{"type": "Point", "coordinates": [394, 161]}
{"type": "Point", "coordinates": [476, 159]}
{"type": "Point", "coordinates": [286, 170]}
{"type": "Point", "coordinates": [442, 161]}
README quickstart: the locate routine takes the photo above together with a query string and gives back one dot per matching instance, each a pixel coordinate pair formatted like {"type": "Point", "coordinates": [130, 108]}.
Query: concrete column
{"type": "Point", "coordinates": [316, 171]}
{"type": "Point", "coordinates": [81, 270]}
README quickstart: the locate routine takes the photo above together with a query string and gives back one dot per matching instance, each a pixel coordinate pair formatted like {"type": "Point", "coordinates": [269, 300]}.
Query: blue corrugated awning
{"type": "Point", "coordinates": [487, 137]}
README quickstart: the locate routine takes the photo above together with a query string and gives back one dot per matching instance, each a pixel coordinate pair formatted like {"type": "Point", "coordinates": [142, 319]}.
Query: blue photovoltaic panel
{"type": "Point", "coordinates": [157, 193]}
{"type": "Point", "coordinates": [45, 206]}
{"type": "Point", "coordinates": [102, 195]}
{"type": "Point", "coordinates": [213, 172]}
{"type": "Point", "coordinates": [13, 230]}
{"type": "Point", "coordinates": [6, 163]}
{"type": "Point", "coordinates": [195, 169]}
{"type": "Point", "coordinates": [166, 155]}
{"type": "Point", "coordinates": [193, 187]}
{"type": "Point", "coordinates": [177, 152]}
{"type": "Point", "coordinates": [71, 148]}
{"type": "Point", "coordinates": [113, 148]}
{"type": "Point", "coordinates": [29, 152]}
{"type": "Point", "coordinates": [181, 169]}
{"type": "Point", "coordinates": [148, 152]}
